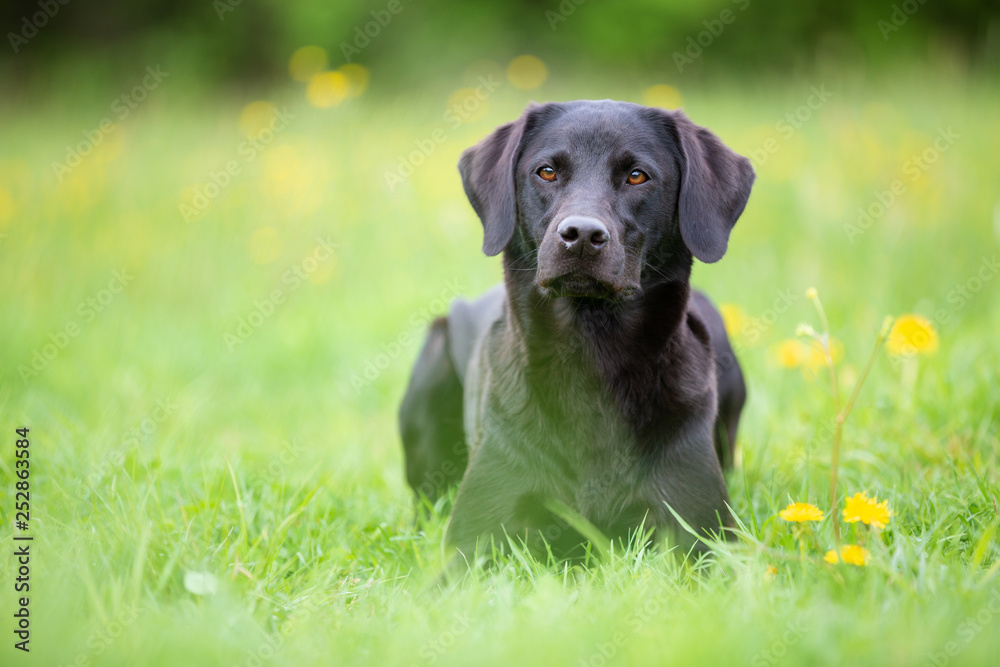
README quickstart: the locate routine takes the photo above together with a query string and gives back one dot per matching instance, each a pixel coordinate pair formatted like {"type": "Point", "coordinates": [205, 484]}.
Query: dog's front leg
{"type": "Point", "coordinates": [487, 503]}
{"type": "Point", "coordinates": [688, 479]}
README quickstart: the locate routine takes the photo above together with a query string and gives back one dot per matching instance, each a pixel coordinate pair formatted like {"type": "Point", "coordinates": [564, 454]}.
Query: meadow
{"type": "Point", "coordinates": [209, 320]}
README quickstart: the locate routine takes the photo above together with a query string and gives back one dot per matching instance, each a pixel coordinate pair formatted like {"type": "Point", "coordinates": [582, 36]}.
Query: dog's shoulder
{"type": "Point", "coordinates": [705, 320]}
{"type": "Point", "coordinates": [468, 321]}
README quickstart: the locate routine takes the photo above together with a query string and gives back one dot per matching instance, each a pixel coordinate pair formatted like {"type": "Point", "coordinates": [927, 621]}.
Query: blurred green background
{"type": "Point", "coordinates": [249, 42]}
{"type": "Point", "coordinates": [225, 225]}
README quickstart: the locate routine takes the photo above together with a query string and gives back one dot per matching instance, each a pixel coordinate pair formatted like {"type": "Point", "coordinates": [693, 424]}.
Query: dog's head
{"type": "Point", "coordinates": [590, 192]}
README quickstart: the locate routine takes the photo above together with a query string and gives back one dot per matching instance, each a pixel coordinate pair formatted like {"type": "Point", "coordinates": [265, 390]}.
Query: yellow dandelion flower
{"type": "Point", "coordinates": [733, 317]}
{"type": "Point", "coordinates": [808, 355]}
{"type": "Point", "coordinates": [870, 511]}
{"type": "Point", "coordinates": [911, 335]}
{"type": "Point", "coordinates": [854, 554]}
{"type": "Point", "coordinates": [771, 572]}
{"type": "Point", "coordinates": [815, 357]}
{"type": "Point", "coordinates": [790, 353]}
{"type": "Point", "coordinates": [799, 512]}
{"type": "Point", "coordinates": [850, 553]}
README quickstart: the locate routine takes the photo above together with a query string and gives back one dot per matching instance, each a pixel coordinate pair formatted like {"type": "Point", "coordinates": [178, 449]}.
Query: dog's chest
{"type": "Point", "coordinates": [580, 447]}
{"type": "Point", "coordinates": [566, 431]}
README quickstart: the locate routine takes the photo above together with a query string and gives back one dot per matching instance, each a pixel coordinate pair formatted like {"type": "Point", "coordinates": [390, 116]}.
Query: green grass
{"type": "Point", "coordinates": [160, 454]}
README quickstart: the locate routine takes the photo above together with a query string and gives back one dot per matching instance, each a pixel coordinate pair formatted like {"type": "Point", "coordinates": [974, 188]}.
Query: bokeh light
{"type": "Point", "coordinates": [256, 117]}
{"type": "Point", "coordinates": [307, 62]}
{"type": "Point", "coordinates": [467, 104]}
{"type": "Point", "coordinates": [327, 89]}
{"type": "Point", "coordinates": [357, 78]}
{"type": "Point", "coordinates": [7, 208]}
{"type": "Point", "coordinates": [527, 72]}
{"type": "Point", "coordinates": [663, 96]}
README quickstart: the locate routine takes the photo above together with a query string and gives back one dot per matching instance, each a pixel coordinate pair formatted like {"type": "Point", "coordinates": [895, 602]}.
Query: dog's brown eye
{"type": "Point", "coordinates": [547, 174]}
{"type": "Point", "coordinates": [637, 176]}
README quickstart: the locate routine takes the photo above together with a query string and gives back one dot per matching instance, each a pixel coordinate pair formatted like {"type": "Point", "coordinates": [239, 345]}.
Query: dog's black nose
{"type": "Point", "coordinates": [583, 236]}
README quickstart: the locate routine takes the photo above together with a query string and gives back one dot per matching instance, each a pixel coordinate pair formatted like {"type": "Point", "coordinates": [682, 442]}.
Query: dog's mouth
{"type": "Point", "coordinates": [583, 285]}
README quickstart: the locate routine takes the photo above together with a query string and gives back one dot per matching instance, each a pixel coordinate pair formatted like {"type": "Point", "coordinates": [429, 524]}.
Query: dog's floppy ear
{"type": "Point", "coordinates": [715, 186]}
{"type": "Point", "coordinates": [488, 178]}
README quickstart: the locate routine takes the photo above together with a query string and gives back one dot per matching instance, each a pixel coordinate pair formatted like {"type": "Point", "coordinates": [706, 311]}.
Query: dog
{"type": "Point", "coordinates": [593, 378]}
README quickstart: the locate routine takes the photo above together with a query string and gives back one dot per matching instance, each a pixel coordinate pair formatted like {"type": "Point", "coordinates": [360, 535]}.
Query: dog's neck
{"type": "Point", "coordinates": [624, 351]}
{"type": "Point", "coordinates": [604, 336]}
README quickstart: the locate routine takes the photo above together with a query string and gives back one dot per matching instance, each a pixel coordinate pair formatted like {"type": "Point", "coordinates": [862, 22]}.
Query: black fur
{"type": "Point", "coordinates": [595, 377]}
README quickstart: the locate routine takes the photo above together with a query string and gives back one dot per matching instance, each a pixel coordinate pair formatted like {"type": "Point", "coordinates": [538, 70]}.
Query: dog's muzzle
{"type": "Point", "coordinates": [581, 257]}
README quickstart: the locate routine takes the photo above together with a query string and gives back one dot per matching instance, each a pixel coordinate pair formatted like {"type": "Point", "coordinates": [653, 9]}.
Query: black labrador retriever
{"type": "Point", "coordinates": [593, 378]}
